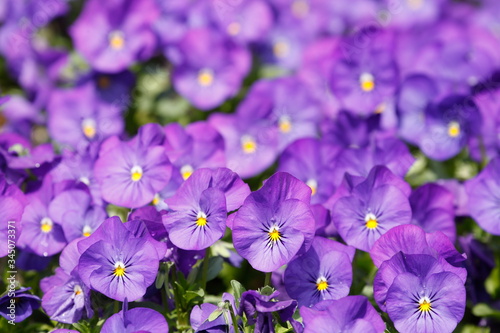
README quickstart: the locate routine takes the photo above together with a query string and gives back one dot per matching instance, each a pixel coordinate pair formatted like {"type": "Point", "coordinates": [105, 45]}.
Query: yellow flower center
{"type": "Point", "coordinates": [201, 220]}
{"type": "Point", "coordinates": [116, 40]}
{"type": "Point", "coordinates": [453, 129]}
{"type": "Point", "coordinates": [425, 304]}
{"type": "Point", "coordinates": [205, 77]}
{"type": "Point", "coordinates": [321, 284]}
{"type": "Point", "coordinates": [281, 49]}
{"type": "Point", "coordinates": [136, 173]}
{"type": "Point", "coordinates": [234, 28]}
{"type": "Point", "coordinates": [371, 221]}
{"type": "Point", "coordinates": [156, 199]}
{"type": "Point", "coordinates": [248, 144]}
{"type": "Point", "coordinates": [87, 231]}
{"type": "Point", "coordinates": [300, 8]}
{"type": "Point", "coordinates": [119, 269]}
{"type": "Point", "coordinates": [186, 171]}
{"type": "Point", "coordinates": [285, 124]}
{"type": "Point", "coordinates": [367, 82]}
{"type": "Point", "coordinates": [313, 185]}
{"type": "Point", "coordinates": [77, 290]}
{"type": "Point", "coordinates": [46, 225]}
{"type": "Point", "coordinates": [274, 234]}
{"type": "Point", "coordinates": [89, 128]}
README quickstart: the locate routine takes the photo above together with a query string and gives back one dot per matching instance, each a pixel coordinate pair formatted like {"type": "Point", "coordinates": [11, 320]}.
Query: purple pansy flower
{"type": "Point", "coordinates": [258, 309]}
{"type": "Point", "coordinates": [77, 116]}
{"type": "Point", "coordinates": [431, 304]}
{"type": "Point", "coordinates": [449, 125]}
{"type": "Point", "coordinates": [420, 265]}
{"type": "Point", "coordinates": [323, 272]}
{"type": "Point", "coordinates": [68, 299]}
{"type": "Point", "coordinates": [349, 314]}
{"type": "Point", "coordinates": [111, 36]}
{"type": "Point", "coordinates": [274, 223]}
{"type": "Point", "coordinates": [135, 320]}
{"type": "Point", "coordinates": [483, 196]}
{"type": "Point", "coordinates": [369, 207]}
{"type": "Point", "coordinates": [18, 305]}
{"type": "Point", "coordinates": [131, 173]}
{"type": "Point", "coordinates": [251, 143]}
{"type": "Point", "coordinates": [287, 104]}
{"type": "Point", "coordinates": [210, 67]}
{"type": "Point", "coordinates": [117, 263]}
{"type": "Point", "coordinates": [77, 216]}
{"type": "Point", "coordinates": [199, 208]}
{"type": "Point", "coordinates": [411, 239]}
{"type": "Point", "coordinates": [432, 209]}
{"type": "Point", "coordinates": [42, 233]}
{"type": "Point", "coordinates": [367, 77]}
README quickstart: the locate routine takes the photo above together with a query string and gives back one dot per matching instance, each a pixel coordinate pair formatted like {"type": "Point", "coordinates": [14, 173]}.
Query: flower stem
{"type": "Point", "coordinates": [267, 280]}
{"type": "Point", "coordinates": [204, 272]}
{"type": "Point", "coordinates": [233, 318]}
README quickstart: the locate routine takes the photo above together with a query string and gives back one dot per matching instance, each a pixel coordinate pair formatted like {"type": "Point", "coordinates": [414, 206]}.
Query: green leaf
{"type": "Point", "coordinates": [192, 295]}
{"type": "Point", "coordinates": [484, 310]}
{"type": "Point", "coordinates": [160, 280]}
{"type": "Point", "coordinates": [214, 267]}
{"type": "Point", "coordinates": [216, 314]}
{"type": "Point", "coordinates": [238, 289]}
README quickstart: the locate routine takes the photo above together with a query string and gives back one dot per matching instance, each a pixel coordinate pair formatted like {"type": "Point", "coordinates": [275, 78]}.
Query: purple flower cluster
{"type": "Point", "coordinates": [309, 137]}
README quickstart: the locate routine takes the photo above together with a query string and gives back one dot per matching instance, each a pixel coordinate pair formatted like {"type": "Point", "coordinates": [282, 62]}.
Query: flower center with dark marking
{"type": "Point", "coordinates": [424, 304]}
{"type": "Point", "coordinates": [201, 219]}
{"type": "Point", "coordinates": [119, 269]}
{"type": "Point", "coordinates": [321, 284]}
{"type": "Point", "coordinates": [274, 234]}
